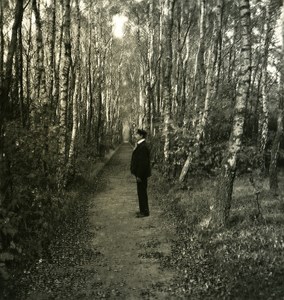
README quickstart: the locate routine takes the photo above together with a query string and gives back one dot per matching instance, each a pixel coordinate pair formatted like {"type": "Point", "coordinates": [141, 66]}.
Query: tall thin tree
{"type": "Point", "coordinates": [223, 197]}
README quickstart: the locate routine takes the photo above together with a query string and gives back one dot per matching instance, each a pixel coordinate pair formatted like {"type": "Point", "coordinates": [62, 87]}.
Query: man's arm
{"type": "Point", "coordinates": [143, 162]}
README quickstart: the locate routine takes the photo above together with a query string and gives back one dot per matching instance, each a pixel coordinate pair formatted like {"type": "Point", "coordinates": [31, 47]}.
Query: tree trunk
{"type": "Point", "coordinates": [99, 126]}
{"type": "Point", "coordinates": [159, 69]}
{"type": "Point", "coordinates": [40, 82]}
{"type": "Point", "coordinates": [89, 114]}
{"type": "Point", "coordinates": [57, 75]}
{"type": "Point", "coordinates": [141, 100]}
{"type": "Point", "coordinates": [75, 95]}
{"type": "Point", "coordinates": [150, 71]}
{"type": "Point", "coordinates": [199, 130]}
{"type": "Point", "coordinates": [218, 49]}
{"type": "Point", "coordinates": [27, 73]}
{"type": "Point", "coordinates": [63, 97]}
{"type": "Point", "coordinates": [199, 70]}
{"type": "Point", "coordinates": [167, 84]}
{"type": "Point", "coordinates": [40, 98]}
{"type": "Point", "coordinates": [4, 101]}
{"type": "Point", "coordinates": [20, 67]}
{"type": "Point", "coordinates": [7, 80]}
{"type": "Point", "coordinates": [222, 201]}
{"type": "Point", "coordinates": [263, 118]}
{"type": "Point", "coordinates": [273, 176]}
{"type": "Point", "coordinates": [212, 70]}
{"type": "Point", "coordinates": [51, 65]}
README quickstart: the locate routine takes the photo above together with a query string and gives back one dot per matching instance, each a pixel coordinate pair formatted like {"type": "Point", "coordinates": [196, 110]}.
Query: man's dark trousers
{"type": "Point", "coordinates": [143, 197]}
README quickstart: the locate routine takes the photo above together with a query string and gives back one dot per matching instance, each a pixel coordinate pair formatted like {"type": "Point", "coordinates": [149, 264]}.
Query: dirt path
{"type": "Point", "coordinates": [105, 252]}
{"type": "Point", "coordinates": [129, 247]}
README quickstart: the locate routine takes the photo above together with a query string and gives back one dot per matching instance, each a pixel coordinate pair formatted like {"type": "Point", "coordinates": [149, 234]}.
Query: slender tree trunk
{"type": "Point", "coordinates": [222, 201]}
{"type": "Point", "coordinates": [21, 81]}
{"type": "Point", "coordinates": [7, 80]}
{"type": "Point", "coordinates": [186, 105]}
{"type": "Point", "coordinates": [142, 103]}
{"type": "Point", "coordinates": [218, 49]}
{"type": "Point", "coordinates": [99, 94]}
{"type": "Point", "coordinates": [75, 95]}
{"type": "Point", "coordinates": [90, 96]}
{"type": "Point", "coordinates": [210, 90]}
{"type": "Point", "coordinates": [199, 70]}
{"type": "Point", "coordinates": [181, 67]}
{"type": "Point", "coordinates": [232, 58]}
{"type": "Point", "coordinates": [185, 108]}
{"type": "Point", "coordinates": [150, 73]}
{"type": "Point", "coordinates": [199, 131]}
{"type": "Point", "coordinates": [51, 66]}
{"type": "Point", "coordinates": [27, 73]}
{"type": "Point", "coordinates": [263, 124]}
{"type": "Point", "coordinates": [141, 99]}
{"type": "Point", "coordinates": [57, 72]}
{"type": "Point", "coordinates": [159, 69]}
{"type": "Point", "coordinates": [273, 175]}
{"type": "Point", "coordinates": [40, 83]}
{"type": "Point", "coordinates": [63, 97]}
{"type": "Point", "coordinates": [167, 82]}
{"type": "Point", "coordinates": [100, 79]}
{"type": "Point", "coordinates": [4, 101]}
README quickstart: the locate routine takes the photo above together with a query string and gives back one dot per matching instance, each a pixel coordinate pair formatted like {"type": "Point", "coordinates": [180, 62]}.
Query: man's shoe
{"type": "Point", "coordinates": [142, 215]}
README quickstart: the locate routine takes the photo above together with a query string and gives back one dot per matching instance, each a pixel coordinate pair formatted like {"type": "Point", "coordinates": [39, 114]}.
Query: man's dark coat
{"type": "Point", "coordinates": [140, 167]}
{"type": "Point", "coordinates": [140, 162]}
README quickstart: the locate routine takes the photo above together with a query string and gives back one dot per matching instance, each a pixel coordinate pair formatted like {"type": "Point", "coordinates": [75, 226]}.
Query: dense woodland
{"type": "Point", "coordinates": [204, 78]}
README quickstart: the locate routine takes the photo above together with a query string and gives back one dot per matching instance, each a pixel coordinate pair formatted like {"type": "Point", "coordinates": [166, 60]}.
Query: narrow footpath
{"type": "Point", "coordinates": [130, 247]}
{"type": "Point", "coordinates": [107, 253]}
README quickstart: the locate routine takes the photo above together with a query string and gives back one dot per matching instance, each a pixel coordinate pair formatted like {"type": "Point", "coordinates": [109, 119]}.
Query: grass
{"type": "Point", "coordinates": [244, 260]}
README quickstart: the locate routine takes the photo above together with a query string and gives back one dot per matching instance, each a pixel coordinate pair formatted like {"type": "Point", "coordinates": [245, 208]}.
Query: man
{"type": "Point", "coordinates": [140, 168]}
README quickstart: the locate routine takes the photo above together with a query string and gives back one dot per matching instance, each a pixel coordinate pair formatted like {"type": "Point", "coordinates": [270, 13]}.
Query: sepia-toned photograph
{"type": "Point", "coordinates": [141, 149]}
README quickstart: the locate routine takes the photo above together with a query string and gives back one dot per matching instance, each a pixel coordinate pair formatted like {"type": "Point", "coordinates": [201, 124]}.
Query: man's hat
{"type": "Point", "coordinates": [142, 132]}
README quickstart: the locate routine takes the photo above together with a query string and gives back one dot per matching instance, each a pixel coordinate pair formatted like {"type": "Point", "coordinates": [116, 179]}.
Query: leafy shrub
{"type": "Point", "coordinates": [29, 215]}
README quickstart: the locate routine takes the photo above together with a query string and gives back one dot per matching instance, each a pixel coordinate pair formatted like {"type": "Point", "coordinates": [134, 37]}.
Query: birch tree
{"type": "Point", "coordinates": [167, 82]}
{"type": "Point", "coordinates": [150, 71]}
{"type": "Point", "coordinates": [76, 93]}
{"type": "Point", "coordinates": [273, 175]}
{"type": "Point", "coordinates": [211, 85]}
{"type": "Point", "coordinates": [264, 113]}
{"type": "Point", "coordinates": [66, 64]}
{"type": "Point", "coordinates": [223, 197]}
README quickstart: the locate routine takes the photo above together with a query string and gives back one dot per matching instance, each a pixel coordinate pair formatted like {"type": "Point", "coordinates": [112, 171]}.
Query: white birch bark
{"type": "Point", "coordinates": [63, 96]}
{"type": "Point", "coordinates": [222, 201]}
{"type": "Point", "coordinates": [167, 84]}
{"type": "Point", "coordinates": [263, 118]}
{"type": "Point", "coordinates": [76, 93]}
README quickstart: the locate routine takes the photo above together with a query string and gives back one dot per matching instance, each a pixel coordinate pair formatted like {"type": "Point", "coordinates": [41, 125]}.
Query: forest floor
{"type": "Point", "coordinates": [109, 253]}
{"type": "Point", "coordinates": [103, 252]}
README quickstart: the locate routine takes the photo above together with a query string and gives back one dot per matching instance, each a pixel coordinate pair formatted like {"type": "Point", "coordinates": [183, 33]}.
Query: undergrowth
{"type": "Point", "coordinates": [44, 251]}
{"type": "Point", "coordinates": [242, 261]}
